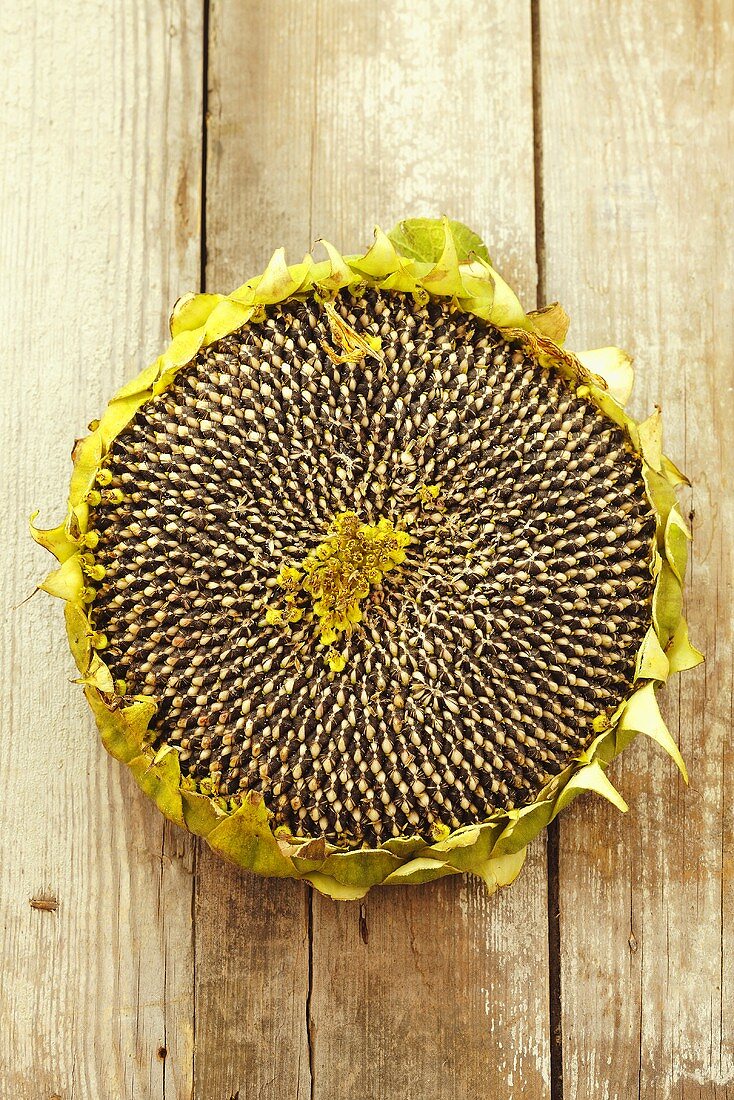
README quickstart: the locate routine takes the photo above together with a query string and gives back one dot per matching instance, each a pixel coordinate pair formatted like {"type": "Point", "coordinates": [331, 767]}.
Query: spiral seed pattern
{"type": "Point", "coordinates": [481, 659]}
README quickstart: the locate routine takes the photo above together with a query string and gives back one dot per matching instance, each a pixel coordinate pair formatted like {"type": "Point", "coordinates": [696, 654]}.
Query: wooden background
{"type": "Point", "coordinates": [151, 148]}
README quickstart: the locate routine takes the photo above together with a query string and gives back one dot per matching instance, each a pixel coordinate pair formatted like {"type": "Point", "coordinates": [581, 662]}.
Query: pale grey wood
{"type": "Point", "coordinates": [325, 119]}
{"type": "Point", "coordinates": [422, 110]}
{"type": "Point", "coordinates": [637, 151]}
{"type": "Point", "coordinates": [252, 934]}
{"type": "Point", "coordinates": [439, 991]}
{"type": "Point", "coordinates": [99, 231]}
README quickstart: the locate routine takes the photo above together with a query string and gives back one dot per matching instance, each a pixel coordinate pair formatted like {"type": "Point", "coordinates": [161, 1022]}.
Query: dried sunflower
{"type": "Point", "coordinates": [366, 576]}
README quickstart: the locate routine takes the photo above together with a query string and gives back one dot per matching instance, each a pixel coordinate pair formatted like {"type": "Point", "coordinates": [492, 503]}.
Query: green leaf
{"type": "Point", "coordinates": [445, 278]}
{"type": "Point", "coordinates": [466, 847]}
{"type": "Point", "coordinates": [141, 382]}
{"type": "Point", "coordinates": [523, 826]}
{"type": "Point", "coordinates": [667, 603]}
{"type": "Point", "coordinates": [380, 260]}
{"type": "Point", "coordinates": [87, 456]}
{"type": "Point", "coordinates": [642, 714]}
{"type": "Point", "coordinates": [651, 440]}
{"type": "Point", "coordinates": [673, 474]}
{"type": "Point", "coordinates": [245, 838]}
{"type": "Point", "coordinates": [339, 272]}
{"type": "Point", "coordinates": [681, 654]}
{"type": "Point", "coordinates": [500, 870]}
{"type": "Point", "coordinates": [423, 239]}
{"type": "Point", "coordinates": [421, 869]}
{"type": "Point", "coordinates": [337, 891]}
{"type": "Point", "coordinates": [362, 867]}
{"type": "Point", "coordinates": [614, 366]}
{"type": "Point", "coordinates": [191, 311]}
{"type": "Point", "coordinates": [506, 311]}
{"type": "Point", "coordinates": [79, 633]}
{"type": "Point", "coordinates": [677, 537]}
{"type": "Point", "coordinates": [276, 282]}
{"type": "Point", "coordinates": [66, 582]}
{"type": "Point", "coordinates": [660, 493]}
{"type": "Point", "coordinates": [57, 540]}
{"type": "Point", "coordinates": [460, 838]}
{"type": "Point", "coordinates": [122, 730]}
{"type": "Point", "coordinates": [652, 664]}
{"type": "Point", "coordinates": [200, 813]}
{"type": "Point", "coordinates": [161, 784]}
{"type": "Point", "coordinates": [591, 778]}
{"type": "Point", "coordinates": [405, 846]}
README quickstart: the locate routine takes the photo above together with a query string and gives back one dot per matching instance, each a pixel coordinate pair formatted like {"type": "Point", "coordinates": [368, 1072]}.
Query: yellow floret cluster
{"type": "Point", "coordinates": [337, 576]}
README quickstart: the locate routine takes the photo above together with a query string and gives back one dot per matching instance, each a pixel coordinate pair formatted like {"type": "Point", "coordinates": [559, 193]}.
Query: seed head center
{"type": "Point", "coordinates": [331, 582]}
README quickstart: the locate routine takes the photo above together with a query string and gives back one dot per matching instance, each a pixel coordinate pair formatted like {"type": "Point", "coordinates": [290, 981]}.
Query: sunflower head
{"type": "Point", "coordinates": [367, 575]}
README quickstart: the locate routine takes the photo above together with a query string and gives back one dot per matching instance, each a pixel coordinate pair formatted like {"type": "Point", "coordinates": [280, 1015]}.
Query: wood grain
{"type": "Point", "coordinates": [252, 934]}
{"type": "Point", "coordinates": [325, 119]}
{"type": "Point", "coordinates": [444, 998]}
{"type": "Point", "coordinates": [637, 151]}
{"type": "Point", "coordinates": [99, 186]}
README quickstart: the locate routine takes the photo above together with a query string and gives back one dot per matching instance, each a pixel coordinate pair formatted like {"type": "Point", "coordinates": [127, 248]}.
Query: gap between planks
{"type": "Point", "coordinates": [555, 991]}
{"type": "Point", "coordinates": [552, 890]}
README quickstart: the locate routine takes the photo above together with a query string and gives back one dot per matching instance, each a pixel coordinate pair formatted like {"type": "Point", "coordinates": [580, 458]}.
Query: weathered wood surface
{"type": "Point", "coordinates": [99, 229]}
{"type": "Point", "coordinates": [638, 148]}
{"type": "Point", "coordinates": [149, 980]}
{"type": "Point", "coordinates": [307, 138]}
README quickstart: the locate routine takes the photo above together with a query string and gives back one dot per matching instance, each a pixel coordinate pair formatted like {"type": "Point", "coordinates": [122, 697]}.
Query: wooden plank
{"type": "Point", "coordinates": [324, 120]}
{"type": "Point", "coordinates": [100, 191]}
{"type": "Point", "coordinates": [252, 934]}
{"type": "Point", "coordinates": [637, 152]}
{"type": "Point", "coordinates": [433, 991]}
